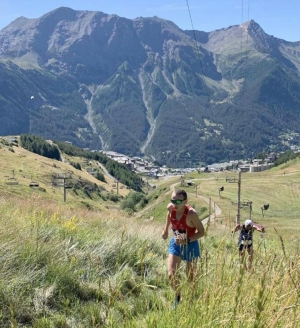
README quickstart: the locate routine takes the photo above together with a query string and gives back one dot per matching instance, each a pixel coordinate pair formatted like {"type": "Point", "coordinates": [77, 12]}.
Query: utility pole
{"type": "Point", "coordinates": [64, 178]}
{"type": "Point", "coordinates": [65, 192]}
{"type": "Point", "coordinates": [238, 217]}
{"type": "Point", "coordinates": [209, 212]}
{"type": "Point", "coordinates": [181, 181]}
{"type": "Point", "coordinates": [117, 186]}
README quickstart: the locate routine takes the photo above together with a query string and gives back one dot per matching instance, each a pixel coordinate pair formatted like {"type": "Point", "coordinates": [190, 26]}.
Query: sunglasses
{"type": "Point", "coordinates": [177, 201]}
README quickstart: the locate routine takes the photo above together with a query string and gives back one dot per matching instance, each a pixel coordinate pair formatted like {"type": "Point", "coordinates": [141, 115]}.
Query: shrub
{"type": "Point", "coordinates": [100, 176]}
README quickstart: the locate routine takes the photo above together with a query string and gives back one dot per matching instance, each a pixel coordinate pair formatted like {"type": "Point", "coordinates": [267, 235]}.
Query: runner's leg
{"type": "Point", "coordinates": [173, 266]}
{"type": "Point", "coordinates": [250, 259]}
{"type": "Point", "coordinates": [191, 267]}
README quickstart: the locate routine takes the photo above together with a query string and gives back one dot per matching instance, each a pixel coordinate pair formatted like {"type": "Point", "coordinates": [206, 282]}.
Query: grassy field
{"type": "Point", "coordinates": [21, 166]}
{"type": "Point", "coordinates": [65, 264]}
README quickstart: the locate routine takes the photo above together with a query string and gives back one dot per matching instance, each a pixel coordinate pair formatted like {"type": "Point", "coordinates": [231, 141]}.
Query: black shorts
{"type": "Point", "coordinates": [242, 246]}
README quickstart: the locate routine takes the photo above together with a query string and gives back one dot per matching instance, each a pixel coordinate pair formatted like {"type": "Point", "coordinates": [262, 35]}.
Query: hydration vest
{"type": "Point", "coordinates": [245, 236]}
{"type": "Point", "coordinates": [180, 226]}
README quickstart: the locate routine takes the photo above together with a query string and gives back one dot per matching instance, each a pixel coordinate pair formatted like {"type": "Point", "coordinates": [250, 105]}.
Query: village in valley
{"type": "Point", "coordinates": [150, 169]}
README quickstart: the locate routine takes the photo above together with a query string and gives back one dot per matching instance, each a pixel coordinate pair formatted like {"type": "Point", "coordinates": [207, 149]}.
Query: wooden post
{"type": "Point", "coordinates": [209, 213]}
{"type": "Point", "coordinates": [65, 192]}
{"type": "Point", "coordinates": [238, 216]}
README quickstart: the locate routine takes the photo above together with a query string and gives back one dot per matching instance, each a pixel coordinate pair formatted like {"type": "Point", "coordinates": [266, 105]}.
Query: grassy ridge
{"type": "Point", "coordinates": [66, 266]}
{"type": "Point", "coordinates": [26, 167]}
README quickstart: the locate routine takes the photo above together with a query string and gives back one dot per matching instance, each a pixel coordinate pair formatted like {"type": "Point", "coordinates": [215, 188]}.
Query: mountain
{"type": "Point", "coordinates": [144, 86]}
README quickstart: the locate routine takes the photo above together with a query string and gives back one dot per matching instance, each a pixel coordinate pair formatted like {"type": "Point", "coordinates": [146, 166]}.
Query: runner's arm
{"type": "Point", "coordinates": [196, 222]}
{"type": "Point", "coordinates": [261, 229]}
{"type": "Point", "coordinates": [238, 227]}
{"type": "Point", "coordinates": [165, 231]}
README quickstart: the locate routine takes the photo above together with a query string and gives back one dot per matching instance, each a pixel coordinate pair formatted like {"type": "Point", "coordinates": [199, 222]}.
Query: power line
{"type": "Point", "coordinates": [200, 63]}
{"type": "Point", "coordinates": [243, 105]}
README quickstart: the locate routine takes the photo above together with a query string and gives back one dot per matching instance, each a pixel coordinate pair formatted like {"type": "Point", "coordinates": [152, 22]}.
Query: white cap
{"type": "Point", "coordinates": [248, 222]}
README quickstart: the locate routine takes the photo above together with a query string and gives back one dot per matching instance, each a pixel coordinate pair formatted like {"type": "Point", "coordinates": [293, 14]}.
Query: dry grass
{"type": "Point", "coordinates": [63, 265]}
{"type": "Point", "coordinates": [27, 167]}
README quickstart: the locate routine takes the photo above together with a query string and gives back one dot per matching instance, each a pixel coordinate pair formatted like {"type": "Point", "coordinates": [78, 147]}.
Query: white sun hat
{"type": "Point", "coordinates": [248, 222]}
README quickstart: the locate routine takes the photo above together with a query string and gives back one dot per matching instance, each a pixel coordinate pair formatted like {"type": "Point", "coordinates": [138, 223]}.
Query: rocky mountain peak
{"type": "Point", "coordinates": [263, 40]}
{"type": "Point", "coordinates": [143, 85]}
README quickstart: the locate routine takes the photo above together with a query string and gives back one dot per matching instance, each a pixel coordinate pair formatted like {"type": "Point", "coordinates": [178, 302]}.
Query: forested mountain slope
{"type": "Point", "coordinates": [144, 86]}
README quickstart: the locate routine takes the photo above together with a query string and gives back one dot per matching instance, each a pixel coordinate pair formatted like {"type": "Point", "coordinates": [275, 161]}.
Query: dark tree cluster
{"type": "Point", "coordinates": [117, 170]}
{"type": "Point", "coordinates": [39, 146]}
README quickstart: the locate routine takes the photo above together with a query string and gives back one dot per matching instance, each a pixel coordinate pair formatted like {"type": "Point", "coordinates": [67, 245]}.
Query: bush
{"type": "Point", "coordinates": [113, 197]}
{"type": "Point", "coordinates": [77, 166]}
{"type": "Point", "coordinates": [132, 199]}
{"type": "Point", "coordinates": [128, 203]}
{"type": "Point", "coordinates": [100, 176]}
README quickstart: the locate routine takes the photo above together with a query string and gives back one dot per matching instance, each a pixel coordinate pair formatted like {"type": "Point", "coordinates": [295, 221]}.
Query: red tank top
{"type": "Point", "coordinates": [181, 225]}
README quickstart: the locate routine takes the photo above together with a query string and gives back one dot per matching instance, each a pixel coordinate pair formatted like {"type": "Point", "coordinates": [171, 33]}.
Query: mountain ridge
{"type": "Point", "coordinates": [144, 86]}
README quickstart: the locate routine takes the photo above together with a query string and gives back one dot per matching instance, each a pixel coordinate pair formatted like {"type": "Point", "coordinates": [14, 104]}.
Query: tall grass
{"type": "Point", "coordinates": [61, 268]}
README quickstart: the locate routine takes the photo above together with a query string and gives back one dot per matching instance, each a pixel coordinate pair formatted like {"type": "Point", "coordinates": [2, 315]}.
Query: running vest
{"type": "Point", "coordinates": [245, 235]}
{"type": "Point", "coordinates": [181, 226]}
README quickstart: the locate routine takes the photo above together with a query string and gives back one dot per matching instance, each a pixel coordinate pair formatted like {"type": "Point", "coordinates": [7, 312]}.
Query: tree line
{"type": "Point", "coordinates": [119, 171]}
{"type": "Point", "coordinates": [39, 146]}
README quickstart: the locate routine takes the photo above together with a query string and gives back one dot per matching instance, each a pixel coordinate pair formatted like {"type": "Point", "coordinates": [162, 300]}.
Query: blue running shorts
{"type": "Point", "coordinates": [188, 252]}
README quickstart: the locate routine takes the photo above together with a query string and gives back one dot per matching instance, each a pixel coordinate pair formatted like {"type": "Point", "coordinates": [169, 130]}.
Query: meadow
{"type": "Point", "coordinates": [67, 265]}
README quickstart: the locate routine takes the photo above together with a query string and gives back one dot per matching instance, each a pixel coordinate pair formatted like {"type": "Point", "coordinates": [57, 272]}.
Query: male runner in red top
{"type": "Point", "coordinates": [187, 229]}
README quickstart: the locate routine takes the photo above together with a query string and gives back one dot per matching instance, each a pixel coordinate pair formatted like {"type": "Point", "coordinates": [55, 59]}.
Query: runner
{"type": "Point", "coordinates": [246, 239]}
{"type": "Point", "coordinates": [187, 229]}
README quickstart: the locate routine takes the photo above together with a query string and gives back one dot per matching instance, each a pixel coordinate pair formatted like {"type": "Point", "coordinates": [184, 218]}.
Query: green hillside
{"type": "Point", "coordinates": [144, 87]}
{"type": "Point", "coordinates": [87, 263]}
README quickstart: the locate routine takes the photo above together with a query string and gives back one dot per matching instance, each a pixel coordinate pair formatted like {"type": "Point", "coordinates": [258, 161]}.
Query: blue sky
{"type": "Point", "coordinates": [280, 18]}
